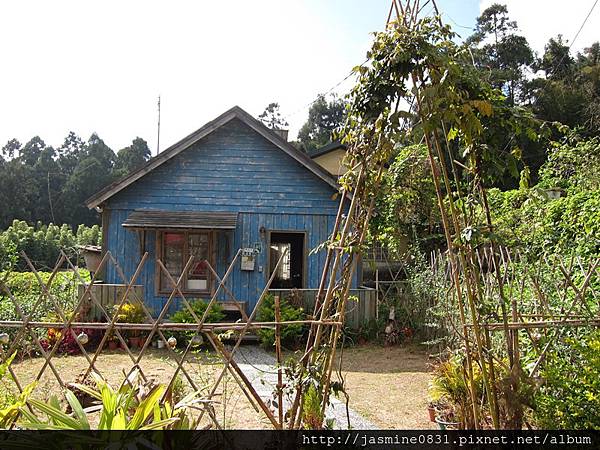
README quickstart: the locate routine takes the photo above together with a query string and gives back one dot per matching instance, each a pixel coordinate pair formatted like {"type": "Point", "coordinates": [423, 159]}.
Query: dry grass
{"type": "Point", "coordinates": [388, 386]}
{"type": "Point", "coordinates": [232, 409]}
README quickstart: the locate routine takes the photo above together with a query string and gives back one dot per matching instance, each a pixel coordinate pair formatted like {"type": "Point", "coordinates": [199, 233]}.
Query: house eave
{"type": "Point", "coordinates": [235, 112]}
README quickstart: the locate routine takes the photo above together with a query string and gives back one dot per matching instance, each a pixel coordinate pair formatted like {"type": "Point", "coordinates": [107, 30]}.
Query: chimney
{"type": "Point", "coordinates": [283, 134]}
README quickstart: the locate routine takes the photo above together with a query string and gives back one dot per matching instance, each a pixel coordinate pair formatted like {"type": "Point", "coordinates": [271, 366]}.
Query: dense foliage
{"type": "Point", "coordinates": [324, 118]}
{"type": "Point", "coordinates": [215, 314]}
{"type": "Point", "coordinates": [570, 397]}
{"type": "Point", "coordinates": [25, 287]}
{"type": "Point", "coordinates": [290, 334]}
{"type": "Point", "coordinates": [43, 243]}
{"type": "Point", "coordinates": [49, 185]}
{"type": "Point", "coordinates": [481, 127]}
{"type": "Point", "coordinates": [561, 214]}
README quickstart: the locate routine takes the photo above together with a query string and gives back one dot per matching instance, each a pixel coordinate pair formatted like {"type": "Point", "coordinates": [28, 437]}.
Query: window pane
{"type": "Point", "coordinates": [284, 270]}
{"type": "Point", "coordinates": [198, 273]}
{"type": "Point", "coordinates": [173, 247]}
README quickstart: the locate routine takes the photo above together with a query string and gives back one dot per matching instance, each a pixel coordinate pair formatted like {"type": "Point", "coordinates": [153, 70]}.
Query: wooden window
{"type": "Point", "coordinates": [176, 248]}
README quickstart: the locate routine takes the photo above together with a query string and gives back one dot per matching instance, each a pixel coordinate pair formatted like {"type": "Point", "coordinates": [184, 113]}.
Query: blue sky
{"type": "Point", "coordinates": [99, 66]}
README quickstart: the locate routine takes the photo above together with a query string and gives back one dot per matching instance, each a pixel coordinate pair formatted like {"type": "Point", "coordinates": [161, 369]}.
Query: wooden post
{"type": "Point", "coordinates": [377, 294]}
{"type": "Point", "coordinates": [279, 361]}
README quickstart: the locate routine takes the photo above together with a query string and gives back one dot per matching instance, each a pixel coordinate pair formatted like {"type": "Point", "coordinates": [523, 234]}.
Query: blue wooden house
{"type": "Point", "coordinates": [233, 184]}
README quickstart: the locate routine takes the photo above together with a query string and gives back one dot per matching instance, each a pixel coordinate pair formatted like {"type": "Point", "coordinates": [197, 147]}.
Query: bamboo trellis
{"type": "Point", "coordinates": [154, 325]}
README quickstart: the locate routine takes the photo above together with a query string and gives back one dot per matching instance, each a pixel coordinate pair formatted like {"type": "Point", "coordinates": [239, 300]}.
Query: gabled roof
{"type": "Point", "coordinates": [234, 113]}
{"type": "Point", "coordinates": [335, 145]}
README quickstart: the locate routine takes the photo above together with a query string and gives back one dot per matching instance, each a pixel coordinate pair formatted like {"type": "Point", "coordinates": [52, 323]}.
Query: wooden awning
{"type": "Point", "coordinates": [181, 219]}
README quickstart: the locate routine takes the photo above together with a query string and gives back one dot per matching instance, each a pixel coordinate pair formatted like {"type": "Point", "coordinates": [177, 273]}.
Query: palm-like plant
{"type": "Point", "coordinates": [120, 409]}
{"type": "Point", "coordinates": [10, 411]}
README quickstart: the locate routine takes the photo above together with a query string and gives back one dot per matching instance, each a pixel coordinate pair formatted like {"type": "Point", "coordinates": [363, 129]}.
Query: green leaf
{"type": "Point", "coordinates": [77, 409]}
{"type": "Point", "coordinates": [146, 407]}
{"type": "Point", "coordinates": [162, 424]}
{"type": "Point", "coordinates": [58, 417]}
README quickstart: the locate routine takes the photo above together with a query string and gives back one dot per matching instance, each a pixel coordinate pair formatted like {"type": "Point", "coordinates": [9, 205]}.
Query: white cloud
{"type": "Point", "coordinates": [540, 20]}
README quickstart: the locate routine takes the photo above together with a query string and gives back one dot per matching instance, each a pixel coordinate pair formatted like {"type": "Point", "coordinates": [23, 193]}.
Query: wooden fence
{"type": "Point", "coordinates": [361, 307]}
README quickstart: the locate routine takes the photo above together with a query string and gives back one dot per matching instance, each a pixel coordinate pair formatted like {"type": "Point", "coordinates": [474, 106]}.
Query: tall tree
{"type": "Point", "coordinates": [501, 52]}
{"type": "Point", "coordinates": [11, 149]}
{"type": "Point", "coordinates": [568, 89]}
{"type": "Point", "coordinates": [272, 117]}
{"type": "Point", "coordinates": [324, 117]}
{"type": "Point", "coordinates": [94, 170]}
{"type": "Point", "coordinates": [132, 157]}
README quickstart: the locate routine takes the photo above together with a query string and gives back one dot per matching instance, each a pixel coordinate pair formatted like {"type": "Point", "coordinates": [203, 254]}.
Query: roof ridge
{"type": "Point", "coordinates": [211, 126]}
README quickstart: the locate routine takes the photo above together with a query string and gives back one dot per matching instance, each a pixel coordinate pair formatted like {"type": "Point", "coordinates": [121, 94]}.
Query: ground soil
{"type": "Point", "coordinates": [388, 386]}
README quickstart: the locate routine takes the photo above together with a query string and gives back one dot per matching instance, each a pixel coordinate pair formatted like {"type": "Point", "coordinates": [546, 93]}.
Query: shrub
{"type": "Point", "coordinates": [215, 314]}
{"type": "Point", "coordinates": [199, 306]}
{"type": "Point", "coordinates": [450, 384]}
{"type": "Point", "coordinates": [43, 243]}
{"type": "Point", "coordinates": [26, 289]}
{"type": "Point", "coordinates": [570, 397]}
{"type": "Point", "coordinates": [290, 334]}
{"type": "Point", "coordinates": [130, 313]}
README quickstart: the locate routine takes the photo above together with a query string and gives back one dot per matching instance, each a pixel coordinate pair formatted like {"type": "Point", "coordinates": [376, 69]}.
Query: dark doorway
{"type": "Point", "coordinates": [290, 273]}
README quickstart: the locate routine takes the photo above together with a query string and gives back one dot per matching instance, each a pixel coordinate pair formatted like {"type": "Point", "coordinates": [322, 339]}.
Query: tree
{"type": "Point", "coordinates": [324, 117]}
{"type": "Point", "coordinates": [568, 91]}
{"type": "Point", "coordinates": [557, 62]}
{"type": "Point", "coordinates": [11, 148]}
{"type": "Point", "coordinates": [94, 170]}
{"type": "Point", "coordinates": [500, 52]}
{"type": "Point", "coordinates": [272, 117]}
{"type": "Point", "coordinates": [70, 152]}
{"type": "Point", "coordinates": [31, 151]}
{"type": "Point", "coordinates": [41, 183]}
{"type": "Point", "coordinates": [132, 157]}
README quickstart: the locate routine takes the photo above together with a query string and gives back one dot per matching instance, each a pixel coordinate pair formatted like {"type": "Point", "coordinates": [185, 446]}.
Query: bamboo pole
{"type": "Point", "coordinates": [279, 360]}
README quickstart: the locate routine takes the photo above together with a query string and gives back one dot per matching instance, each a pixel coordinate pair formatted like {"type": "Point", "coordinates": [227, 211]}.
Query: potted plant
{"type": "Point", "coordinates": [449, 388]}
{"type": "Point", "coordinates": [113, 341]}
{"type": "Point", "coordinates": [432, 409]}
{"type": "Point", "coordinates": [132, 313]}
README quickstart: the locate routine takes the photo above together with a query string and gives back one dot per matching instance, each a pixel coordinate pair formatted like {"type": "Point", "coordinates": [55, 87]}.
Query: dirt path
{"type": "Point", "coordinates": [388, 386]}
{"type": "Point", "coordinates": [261, 369]}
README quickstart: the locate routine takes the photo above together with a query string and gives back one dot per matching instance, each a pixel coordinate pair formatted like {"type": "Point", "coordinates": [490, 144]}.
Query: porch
{"type": "Point", "coordinates": [361, 307]}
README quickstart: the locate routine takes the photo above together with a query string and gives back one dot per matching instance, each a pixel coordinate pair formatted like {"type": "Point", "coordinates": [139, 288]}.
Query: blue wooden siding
{"type": "Point", "coordinates": [234, 169]}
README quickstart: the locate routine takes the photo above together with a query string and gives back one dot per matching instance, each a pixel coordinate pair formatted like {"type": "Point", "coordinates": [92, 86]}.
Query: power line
{"type": "Point", "coordinates": [576, 35]}
{"type": "Point", "coordinates": [455, 23]}
{"type": "Point", "coordinates": [329, 91]}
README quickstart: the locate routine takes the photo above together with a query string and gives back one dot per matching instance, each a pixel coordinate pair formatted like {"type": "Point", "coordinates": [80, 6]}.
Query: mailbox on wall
{"type": "Point", "coordinates": [248, 259]}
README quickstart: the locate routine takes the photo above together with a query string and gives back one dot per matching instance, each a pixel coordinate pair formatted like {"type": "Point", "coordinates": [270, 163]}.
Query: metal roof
{"type": "Point", "coordinates": [181, 219]}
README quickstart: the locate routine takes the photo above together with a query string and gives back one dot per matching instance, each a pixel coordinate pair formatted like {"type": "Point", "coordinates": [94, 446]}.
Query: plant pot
{"type": "Point", "coordinates": [432, 413]}
{"type": "Point", "coordinates": [447, 425]}
{"type": "Point", "coordinates": [113, 345]}
{"type": "Point", "coordinates": [160, 343]}
{"type": "Point", "coordinates": [134, 342]}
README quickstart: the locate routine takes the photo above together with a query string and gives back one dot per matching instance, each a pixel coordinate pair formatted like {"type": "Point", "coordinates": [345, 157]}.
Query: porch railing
{"type": "Point", "coordinates": [361, 307]}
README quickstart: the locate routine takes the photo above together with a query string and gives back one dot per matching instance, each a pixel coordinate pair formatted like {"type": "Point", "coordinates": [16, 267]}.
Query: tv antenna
{"type": "Point", "coordinates": [158, 129]}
